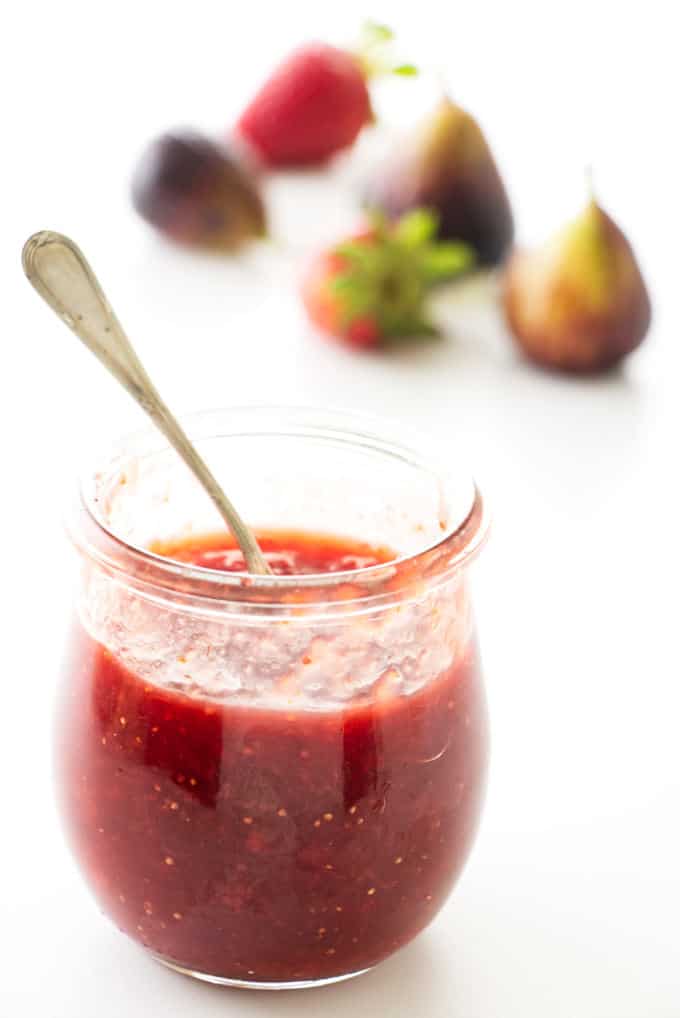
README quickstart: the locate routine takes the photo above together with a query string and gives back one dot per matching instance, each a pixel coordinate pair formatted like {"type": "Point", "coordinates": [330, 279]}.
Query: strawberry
{"type": "Point", "coordinates": [316, 102]}
{"type": "Point", "coordinates": [372, 288]}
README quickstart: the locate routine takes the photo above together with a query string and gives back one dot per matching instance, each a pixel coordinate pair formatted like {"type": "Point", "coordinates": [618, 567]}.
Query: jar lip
{"type": "Point", "coordinates": [463, 537]}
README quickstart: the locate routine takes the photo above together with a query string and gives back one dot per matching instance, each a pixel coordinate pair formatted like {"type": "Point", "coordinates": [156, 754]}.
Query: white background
{"type": "Point", "coordinates": [569, 906]}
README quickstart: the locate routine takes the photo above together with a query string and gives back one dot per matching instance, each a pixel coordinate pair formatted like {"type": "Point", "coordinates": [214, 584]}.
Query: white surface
{"type": "Point", "coordinates": [569, 906]}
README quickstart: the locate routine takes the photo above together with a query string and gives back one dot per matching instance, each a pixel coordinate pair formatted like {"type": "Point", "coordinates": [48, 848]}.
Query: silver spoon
{"type": "Point", "coordinates": [58, 270]}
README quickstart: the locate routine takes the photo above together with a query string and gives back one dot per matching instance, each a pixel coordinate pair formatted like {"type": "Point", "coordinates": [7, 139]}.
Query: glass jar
{"type": "Point", "coordinates": [273, 781]}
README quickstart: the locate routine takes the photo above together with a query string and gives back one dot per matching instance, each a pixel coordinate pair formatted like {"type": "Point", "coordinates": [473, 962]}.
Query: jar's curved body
{"type": "Point", "coordinates": [272, 790]}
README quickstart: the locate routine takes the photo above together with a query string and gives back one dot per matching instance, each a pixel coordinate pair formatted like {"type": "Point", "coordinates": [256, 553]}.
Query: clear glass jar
{"type": "Point", "coordinates": [273, 781]}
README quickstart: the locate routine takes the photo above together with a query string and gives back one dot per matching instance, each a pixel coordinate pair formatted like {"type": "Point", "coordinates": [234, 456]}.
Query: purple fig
{"type": "Point", "coordinates": [197, 192]}
{"type": "Point", "coordinates": [448, 168]}
{"type": "Point", "coordinates": [579, 303]}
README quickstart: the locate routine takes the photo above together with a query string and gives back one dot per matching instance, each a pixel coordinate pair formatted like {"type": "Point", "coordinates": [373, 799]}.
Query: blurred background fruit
{"type": "Point", "coordinates": [447, 166]}
{"type": "Point", "coordinates": [579, 302]}
{"type": "Point", "coordinates": [197, 192]}
{"type": "Point", "coordinates": [316, 102]}
{"type": "Point", "coordinates": [371, 289]}
{"type": "Point", "coordinates": [314, 105]}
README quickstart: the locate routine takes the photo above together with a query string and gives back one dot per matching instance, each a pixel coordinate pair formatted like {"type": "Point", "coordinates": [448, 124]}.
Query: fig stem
{"type": "Point", "coordinates": [58, 271]}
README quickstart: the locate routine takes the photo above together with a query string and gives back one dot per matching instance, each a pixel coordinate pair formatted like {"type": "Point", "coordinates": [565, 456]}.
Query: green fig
{"type": "Point", "coordinates": [578, 304]}
{"type": "Point", "coordinates": [448, 168]}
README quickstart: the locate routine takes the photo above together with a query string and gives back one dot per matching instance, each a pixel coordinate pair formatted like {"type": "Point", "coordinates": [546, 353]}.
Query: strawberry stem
{"type": "Point", "coordinates": [374, 53]}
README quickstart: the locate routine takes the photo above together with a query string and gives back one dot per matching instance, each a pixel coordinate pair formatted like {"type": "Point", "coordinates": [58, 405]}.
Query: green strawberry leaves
{"type": "Point", "coordinates": [444, 261]}
{"type": "Point", "coordinates": [374, 53]}
{"type": "Point", "coordinates": [373, 33]}
{"type": "Point", "coordinates": [415, 228]}
{"type": "Point", "coordinates": [439, 260]}
{"type": "Point", "coordinates": [385, 274]}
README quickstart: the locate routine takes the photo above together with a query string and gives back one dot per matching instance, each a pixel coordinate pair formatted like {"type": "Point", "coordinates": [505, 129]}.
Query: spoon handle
{"type": "Point", "coordinates": [57, 269]}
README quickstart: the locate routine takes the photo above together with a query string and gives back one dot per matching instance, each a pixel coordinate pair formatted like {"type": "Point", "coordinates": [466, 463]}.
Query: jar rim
{"type": "Point", "coordinates": [459, 543]}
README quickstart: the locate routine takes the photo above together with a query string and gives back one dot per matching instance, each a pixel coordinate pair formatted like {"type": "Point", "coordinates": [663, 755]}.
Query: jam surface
{"type": "Point", "coordinates": [269, 845]}
{"type": "Point", "coordinates": [288, 553]}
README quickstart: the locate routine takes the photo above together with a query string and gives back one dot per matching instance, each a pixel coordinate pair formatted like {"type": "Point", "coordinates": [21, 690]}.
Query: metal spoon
{"type": "Point", "coordinates": [57, 269]}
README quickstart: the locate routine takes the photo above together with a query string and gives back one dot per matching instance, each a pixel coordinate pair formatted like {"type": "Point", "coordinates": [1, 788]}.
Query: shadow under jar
{"type": "Point", "coordinates": [273, 781]}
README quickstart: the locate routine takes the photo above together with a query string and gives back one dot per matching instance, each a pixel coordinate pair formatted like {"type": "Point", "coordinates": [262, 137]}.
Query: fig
{"type": "Point", "coordinates": [197, 192]}
{"type": "Point", "coordinates": [579, 303]}
{"type": "Point", "coordinates": [448, 167]}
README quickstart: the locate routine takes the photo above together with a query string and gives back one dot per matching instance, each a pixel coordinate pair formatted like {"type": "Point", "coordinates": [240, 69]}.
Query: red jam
{"type": "Point", "coordinates": [268, 844]}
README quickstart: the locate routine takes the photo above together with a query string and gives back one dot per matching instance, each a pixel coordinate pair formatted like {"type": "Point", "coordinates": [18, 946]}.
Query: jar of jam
{"type": "Point", "coordinates": [273, 781]}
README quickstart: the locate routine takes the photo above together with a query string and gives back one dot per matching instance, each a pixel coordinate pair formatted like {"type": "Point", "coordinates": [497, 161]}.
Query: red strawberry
{"type": "Point", "coordinates": [314, 105]}
{"type": "Point", "coordinates": [373, 287]}
{"type": "Point", "coordinates": [316, 102]}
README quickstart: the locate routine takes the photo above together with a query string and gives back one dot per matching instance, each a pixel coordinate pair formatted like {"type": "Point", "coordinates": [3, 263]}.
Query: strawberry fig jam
{"type": "Point", "coordinates": [273, 782]}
